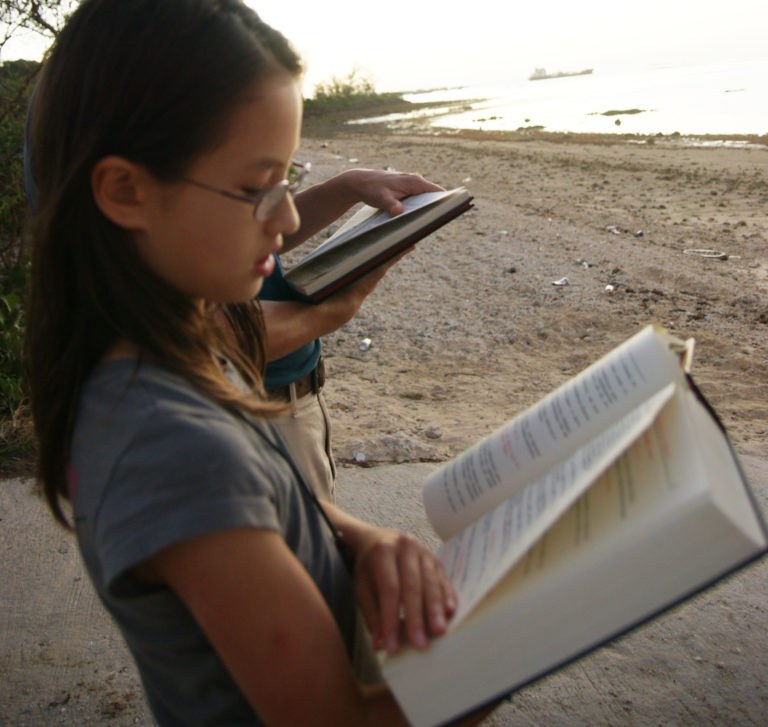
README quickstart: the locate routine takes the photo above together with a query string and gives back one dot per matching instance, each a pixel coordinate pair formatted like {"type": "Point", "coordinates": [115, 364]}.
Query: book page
{"type": "Point", "coordinates": [500, 465]}
{"type": "Point", "coordinates": [480, 556]}
{"type": "Point", "coordinates": [368, 218]}
{"type": "Point", "coordinates": [317, 272]}
{"type": "Point", "coordinates": [669, 476]}
{"type": "Point", "coordinates": [312, 269]}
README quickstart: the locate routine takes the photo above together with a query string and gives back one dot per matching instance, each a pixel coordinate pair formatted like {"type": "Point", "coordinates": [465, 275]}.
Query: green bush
{"type": "Point", "coordinates": [354, 89]}
{"type": "Point", "coordinates": [356, 83]}
{"type": "Point", "coordinates": [13, 290]}
{"type": "Point", "coordinates": [16, 79]}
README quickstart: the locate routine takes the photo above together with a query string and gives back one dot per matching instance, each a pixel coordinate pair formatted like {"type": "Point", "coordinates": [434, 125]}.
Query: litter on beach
{"type": "Point", "coordinates": [716, 254]}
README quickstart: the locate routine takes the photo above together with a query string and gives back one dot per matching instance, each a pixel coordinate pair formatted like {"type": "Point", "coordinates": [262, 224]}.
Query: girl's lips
{"type": "Point", "coordinates": [265, 267]}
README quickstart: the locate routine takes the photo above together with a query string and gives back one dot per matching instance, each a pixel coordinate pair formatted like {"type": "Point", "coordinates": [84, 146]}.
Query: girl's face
{"type": "Point", "coordinates": [209, 246]}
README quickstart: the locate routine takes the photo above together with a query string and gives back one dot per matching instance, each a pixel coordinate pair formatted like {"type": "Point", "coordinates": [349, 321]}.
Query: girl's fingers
{"type": "Point", "coordinates": [401, 586]}
{"type": "Point", "coordinates": [436, 602]}
{"type": "Point", "coordinates": [378, 573]}
{"type": "Point", "coordinates": [413, 592]}
{"type": "Point", "coordinates": [438, 599]}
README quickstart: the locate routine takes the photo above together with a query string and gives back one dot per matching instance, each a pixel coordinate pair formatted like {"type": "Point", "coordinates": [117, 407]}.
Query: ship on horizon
{"type": "Point", "coordinates": [540, 74]}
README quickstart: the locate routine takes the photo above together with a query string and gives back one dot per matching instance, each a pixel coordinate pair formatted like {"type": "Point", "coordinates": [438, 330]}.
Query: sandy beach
{"type": "Point", "coordinates": [470, 327]}
{"type": "Point", "coordinates": [467, 330]}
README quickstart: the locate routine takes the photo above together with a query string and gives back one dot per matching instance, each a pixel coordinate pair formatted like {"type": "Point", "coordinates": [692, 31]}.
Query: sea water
{"type": "Point", "coordinates": [715, 98]}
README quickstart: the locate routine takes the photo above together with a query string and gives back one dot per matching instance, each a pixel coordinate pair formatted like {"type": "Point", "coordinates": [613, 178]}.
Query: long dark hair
{"type": "Point", "coordinates": [153, 81]}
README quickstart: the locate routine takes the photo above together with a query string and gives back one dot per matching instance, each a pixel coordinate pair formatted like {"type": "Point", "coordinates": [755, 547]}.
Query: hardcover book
{"type": "Point", "coordinates": [614, 498]}
{"type": "Point", "coordinates": [371, 237]}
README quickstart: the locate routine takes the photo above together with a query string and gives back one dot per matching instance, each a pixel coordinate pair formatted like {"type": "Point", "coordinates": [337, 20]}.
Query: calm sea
{"type": "Point", "coordinates": [722, 98]}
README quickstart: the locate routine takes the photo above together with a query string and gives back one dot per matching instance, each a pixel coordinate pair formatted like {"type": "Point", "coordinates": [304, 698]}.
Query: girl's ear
{"type": "Point", "coordinates": [120, 190]}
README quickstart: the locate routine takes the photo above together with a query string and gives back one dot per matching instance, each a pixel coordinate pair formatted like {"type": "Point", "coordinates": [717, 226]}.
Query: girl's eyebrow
{"type": "Point", "coordinates": [266, 163]}
{"type": "Point", "coordinates": [263, 165]}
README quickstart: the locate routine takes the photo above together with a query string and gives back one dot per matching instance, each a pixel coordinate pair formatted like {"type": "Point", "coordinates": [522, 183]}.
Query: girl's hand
{"type": "Point", "coordinates": [384, 190]}
{"type": "Point", "coordinates": [400, 585]}
{"type": "Point", "coordinates": [323, 203]}
{"type": "Point", "coordinates": [398, 582]}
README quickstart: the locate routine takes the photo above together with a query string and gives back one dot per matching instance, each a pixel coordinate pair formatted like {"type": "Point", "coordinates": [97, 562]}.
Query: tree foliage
{"type": "Point", "coordinates": [17, 78]}
{"type": "Point", "coordinates": [41, 17]}
{"type": "Point", "coordinates": [345, 94]}
{"type": "Point", "coordinates": [14, 260]}
{"type": "Point", "coordinates": [355, 83]}
{"type": "Point", "coordinates": [44, 17]}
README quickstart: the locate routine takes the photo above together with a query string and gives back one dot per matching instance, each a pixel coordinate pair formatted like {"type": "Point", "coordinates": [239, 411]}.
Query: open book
{"type": "Point", "coordinates": [371, 237]}
{"type": "Point", "coordinates": [615, 497]}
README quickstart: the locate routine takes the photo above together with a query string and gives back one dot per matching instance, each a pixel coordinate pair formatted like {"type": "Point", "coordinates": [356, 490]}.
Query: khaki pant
{"type": "Point", "coordinates": [306, 429]}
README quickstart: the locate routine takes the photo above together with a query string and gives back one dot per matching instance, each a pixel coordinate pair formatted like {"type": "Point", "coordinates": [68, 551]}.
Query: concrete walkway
{"type": "Point", "coordinates": [62, 662]}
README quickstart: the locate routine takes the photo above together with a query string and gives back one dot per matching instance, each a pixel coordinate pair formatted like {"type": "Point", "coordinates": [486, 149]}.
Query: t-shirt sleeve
{"type": "Point", "coordinates": [184, 475]}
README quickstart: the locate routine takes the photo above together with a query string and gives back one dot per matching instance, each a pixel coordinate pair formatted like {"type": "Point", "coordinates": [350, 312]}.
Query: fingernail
{"type": "Point", "coordinates": [392, 643]}
{"type": "Point", "coordinates": [419, 638]}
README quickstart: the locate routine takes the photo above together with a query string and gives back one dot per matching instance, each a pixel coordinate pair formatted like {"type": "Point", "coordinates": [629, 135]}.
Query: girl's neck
{"type": "Point", "coordinates": [121, 349]}
{"type": "Point", "coordinates": [124, 349]}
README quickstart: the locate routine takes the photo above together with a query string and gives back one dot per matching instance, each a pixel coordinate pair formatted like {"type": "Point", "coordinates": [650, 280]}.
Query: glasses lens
{"type": "Point", "coordinates": [294, 175]}
{"type": "Point", "coordinates": [268, 204]}
{"type": "Point", "coordinates": [297, 172]}
{"type": "Point", "coordinates": [274, 196]}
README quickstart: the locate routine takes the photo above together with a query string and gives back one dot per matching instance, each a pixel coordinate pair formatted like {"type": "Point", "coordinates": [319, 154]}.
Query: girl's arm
{"type": "Point", "coordinates": [291, 323]}
{"type": "Point", "coordinates": [320, 205]}
{"type": "Point", "coordinates": [271, 627]}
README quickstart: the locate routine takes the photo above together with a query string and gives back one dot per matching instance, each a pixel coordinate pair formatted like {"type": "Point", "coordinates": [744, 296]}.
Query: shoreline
{"type": "Point", "coordinates": [366, 118]}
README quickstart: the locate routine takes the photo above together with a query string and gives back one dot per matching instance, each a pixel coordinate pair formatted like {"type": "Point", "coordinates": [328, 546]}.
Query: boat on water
{"type": "Point", "coordinates": [540, 74]}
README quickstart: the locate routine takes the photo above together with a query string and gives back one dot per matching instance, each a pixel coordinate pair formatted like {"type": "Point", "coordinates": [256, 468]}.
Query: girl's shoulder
{"type": "Point", "coordinates": [154, 461]}
{"type": "Point", "coordinates": [124, 385]}
{"type": "Point", "coordinates": [145, 413]}
{"type": "Point", "coordinates": [138, 392]}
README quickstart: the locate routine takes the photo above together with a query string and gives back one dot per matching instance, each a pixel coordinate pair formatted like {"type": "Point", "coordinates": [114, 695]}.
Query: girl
{"type": "Point", "coordinates": [163, 131]}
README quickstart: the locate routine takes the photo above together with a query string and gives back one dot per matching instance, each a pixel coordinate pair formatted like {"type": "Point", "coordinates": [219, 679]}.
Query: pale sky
{"type": "Point", "coordinates": [407, 44]}
{"type": "Point", "coordinates": [410, 44]}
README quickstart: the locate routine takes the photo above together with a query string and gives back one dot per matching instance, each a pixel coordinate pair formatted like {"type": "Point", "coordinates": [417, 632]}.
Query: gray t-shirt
{"type": "Point", "coordinates": [154, 462]}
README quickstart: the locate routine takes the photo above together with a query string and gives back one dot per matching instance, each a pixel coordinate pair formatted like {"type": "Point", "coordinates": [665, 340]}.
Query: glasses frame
{"type": "Point", "coordinates": [265, 201]}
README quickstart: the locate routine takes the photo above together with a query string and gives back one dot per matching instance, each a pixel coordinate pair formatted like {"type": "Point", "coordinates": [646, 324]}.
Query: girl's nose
{"type": "Point", "coordinates": [285, 220]}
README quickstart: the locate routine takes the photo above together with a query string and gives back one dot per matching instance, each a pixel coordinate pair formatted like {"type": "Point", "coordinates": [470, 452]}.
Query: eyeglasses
{"type": "Point", "coordinates": [265, 201]}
